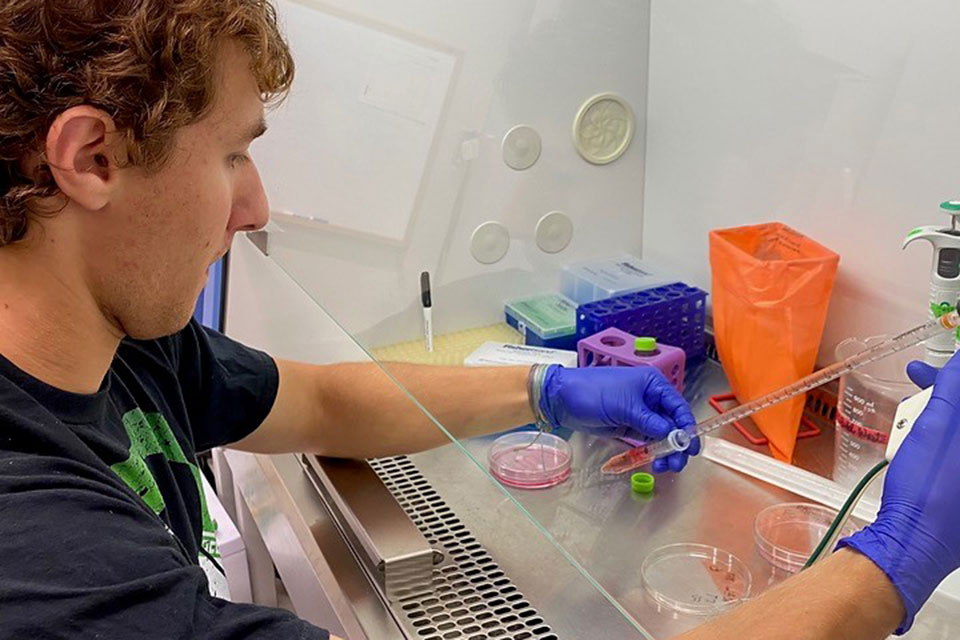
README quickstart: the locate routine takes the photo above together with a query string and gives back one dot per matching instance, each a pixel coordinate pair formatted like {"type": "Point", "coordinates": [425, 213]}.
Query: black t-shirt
{"type": "Point", "coordinates": [103, 525]}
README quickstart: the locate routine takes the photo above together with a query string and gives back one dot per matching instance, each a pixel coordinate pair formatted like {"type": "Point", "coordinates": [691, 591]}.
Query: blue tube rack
{"type": "Point", "coordinates": [674, 314]}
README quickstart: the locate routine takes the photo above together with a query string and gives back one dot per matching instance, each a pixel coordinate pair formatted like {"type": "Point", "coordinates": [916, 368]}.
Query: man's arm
{"type": "Point", "coordinates": [358, 411]}
{"type": "Point", "coordinates": [844, 597]}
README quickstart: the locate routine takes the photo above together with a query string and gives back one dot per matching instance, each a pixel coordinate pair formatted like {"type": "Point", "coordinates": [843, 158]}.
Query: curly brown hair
{"type": "Point", "coordinates": [147, 63]}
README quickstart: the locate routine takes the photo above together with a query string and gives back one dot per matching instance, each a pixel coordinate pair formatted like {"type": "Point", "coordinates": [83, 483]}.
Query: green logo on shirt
{"type": "Point", "coordinates": [150, 435]}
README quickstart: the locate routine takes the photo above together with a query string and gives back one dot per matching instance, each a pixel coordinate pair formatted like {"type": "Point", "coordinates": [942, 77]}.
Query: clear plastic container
{"type": "Point", "coordinates": [585, 282]}
{"type": "Point", "coordinates": [865, 408]}
{"type": "Point", "coordinates": [530, 459]}
{"type": "Point", "coordinates": [695, 579]}
{"type": "Point", "coordinates": [786, 534]}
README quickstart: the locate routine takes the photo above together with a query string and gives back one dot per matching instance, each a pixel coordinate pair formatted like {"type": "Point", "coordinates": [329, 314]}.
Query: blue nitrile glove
{"type": "Point", "coordinates": [618, 401]}
{"type": "Point", "coordinates": [922, 374]}
{"type": "Point", "coordinates": [916, 537]}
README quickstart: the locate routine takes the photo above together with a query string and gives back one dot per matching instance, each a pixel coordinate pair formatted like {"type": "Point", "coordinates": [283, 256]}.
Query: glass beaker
{"type": "Point", "coordinates": [866, 405]}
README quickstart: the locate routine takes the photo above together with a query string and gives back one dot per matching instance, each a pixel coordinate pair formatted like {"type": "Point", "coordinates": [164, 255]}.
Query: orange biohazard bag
{"type": "Point", "coordinates": [771, 290]}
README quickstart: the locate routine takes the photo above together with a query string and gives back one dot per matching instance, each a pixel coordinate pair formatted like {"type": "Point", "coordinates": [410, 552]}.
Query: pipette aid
{"type": "Point", "coordinates": [680, 439]}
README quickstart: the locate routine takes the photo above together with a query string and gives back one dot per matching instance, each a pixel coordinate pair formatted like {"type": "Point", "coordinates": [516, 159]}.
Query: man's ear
{"type": "Point", "coordinates": [81, 153]}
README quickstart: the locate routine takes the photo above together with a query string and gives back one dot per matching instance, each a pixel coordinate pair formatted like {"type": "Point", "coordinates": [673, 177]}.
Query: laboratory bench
{"type": "Point", "coordinates": [561, 562]}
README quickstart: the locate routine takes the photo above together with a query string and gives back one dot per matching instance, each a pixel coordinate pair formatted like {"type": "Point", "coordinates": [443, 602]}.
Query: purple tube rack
{"type": "Point", "coordinates": [615, 348]}
{"type": "Point", "coordinates": [675, 314]}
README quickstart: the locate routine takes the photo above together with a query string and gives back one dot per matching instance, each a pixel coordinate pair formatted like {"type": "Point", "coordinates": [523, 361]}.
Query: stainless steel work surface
{"type": "Point", "coordinates": [327, 583]}
{"type": "Point", "coordinates": [609, 530]}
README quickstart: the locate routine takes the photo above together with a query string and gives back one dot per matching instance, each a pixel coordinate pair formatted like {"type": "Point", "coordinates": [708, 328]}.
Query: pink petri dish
{"type": "Point", "coordinates": [786, 534]}
{"type": "Point", "coordinates": [530, 460]}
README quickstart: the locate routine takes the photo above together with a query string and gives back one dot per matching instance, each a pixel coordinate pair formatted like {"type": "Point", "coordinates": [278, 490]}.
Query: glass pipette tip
{"type": "Point", "coordinates": [680, 439]}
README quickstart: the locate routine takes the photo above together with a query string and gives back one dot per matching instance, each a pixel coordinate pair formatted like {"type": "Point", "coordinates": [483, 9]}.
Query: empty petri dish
{"type": "Point", "coordinates": [530, 459]}
{"type": "Point", "coordinates": [786, 534]}
{"type": "Point", "coordinates": [696, 579]}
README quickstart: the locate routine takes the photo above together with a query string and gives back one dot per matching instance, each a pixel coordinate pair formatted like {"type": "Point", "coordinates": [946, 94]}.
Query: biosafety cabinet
{"type": "Point", "coordinates": [490, 144]}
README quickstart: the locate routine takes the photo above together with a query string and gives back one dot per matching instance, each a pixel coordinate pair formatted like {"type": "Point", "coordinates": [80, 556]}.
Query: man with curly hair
{"type": "Point", "coordinates": [124, 174]}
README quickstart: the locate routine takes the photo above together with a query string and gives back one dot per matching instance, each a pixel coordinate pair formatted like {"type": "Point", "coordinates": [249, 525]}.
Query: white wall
{"type": "Point", "coordinates": [838, 117]}
{"type": "Point", "coordinates": [519, 61]}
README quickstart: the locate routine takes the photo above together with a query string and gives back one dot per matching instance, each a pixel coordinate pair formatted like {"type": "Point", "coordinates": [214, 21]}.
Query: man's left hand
{"type": "Point", "coordinates": [635, 402]}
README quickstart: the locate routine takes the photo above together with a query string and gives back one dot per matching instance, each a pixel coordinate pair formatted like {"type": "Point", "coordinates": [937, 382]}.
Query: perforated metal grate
{"type": "Point", "coordinates": [472, 599]}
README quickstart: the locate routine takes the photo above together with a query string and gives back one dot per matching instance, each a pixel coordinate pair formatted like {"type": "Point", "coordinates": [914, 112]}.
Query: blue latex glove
{"type": "Point", "coordinates": [922, 374]}
{"type": "Point", "coordinates": [916, 537]}
{"type": "Point", "coordinates": [618, 401]}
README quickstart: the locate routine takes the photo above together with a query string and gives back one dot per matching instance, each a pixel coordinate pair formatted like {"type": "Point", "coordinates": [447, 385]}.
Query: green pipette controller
{"type": "Point", "coordinates": [944, 277]}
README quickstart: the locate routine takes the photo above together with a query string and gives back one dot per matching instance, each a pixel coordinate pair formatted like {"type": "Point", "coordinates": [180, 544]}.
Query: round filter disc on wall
{"type": "Point", "coordinates": [603, 128]}
{"type": "Point", "coordinates": [521, 147]}
{"type": "Point", "coordinates": [554, 232]}
{"type": "Point", "coordinates": [489, 242]}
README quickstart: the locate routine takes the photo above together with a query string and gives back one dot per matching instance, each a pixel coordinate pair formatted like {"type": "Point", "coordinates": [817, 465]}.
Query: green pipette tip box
{"type": "Point", "coordinates": [548, 317]}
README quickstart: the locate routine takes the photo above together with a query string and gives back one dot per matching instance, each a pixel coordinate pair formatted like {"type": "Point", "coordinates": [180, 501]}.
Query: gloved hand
{"type": "Point", "coordinates": [618, 401]}
{"type": "Point", "coordinates": [916, 537]}
{"type": "Point", "coordinates": [922, 374]}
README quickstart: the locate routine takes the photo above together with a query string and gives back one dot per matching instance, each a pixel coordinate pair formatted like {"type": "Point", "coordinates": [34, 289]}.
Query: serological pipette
{"type": "Point", "coordinates": [680, 439]}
